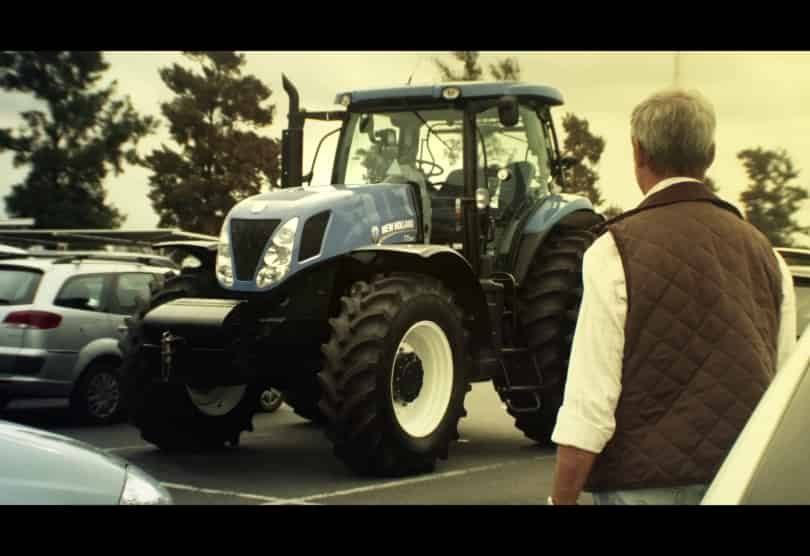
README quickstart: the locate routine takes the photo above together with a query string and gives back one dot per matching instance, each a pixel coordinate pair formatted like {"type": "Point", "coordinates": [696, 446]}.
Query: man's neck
{"type": "Point", "coordinates": [663, 183]}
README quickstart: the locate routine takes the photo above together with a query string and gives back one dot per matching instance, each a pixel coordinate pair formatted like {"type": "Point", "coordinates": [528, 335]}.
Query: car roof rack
{"type": "Point", "coordinates": [63, 257]}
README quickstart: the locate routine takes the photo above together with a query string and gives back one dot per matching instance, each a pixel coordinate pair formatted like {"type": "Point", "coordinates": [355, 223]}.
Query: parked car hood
{"type": "Point", "coordinates": [40, 467]}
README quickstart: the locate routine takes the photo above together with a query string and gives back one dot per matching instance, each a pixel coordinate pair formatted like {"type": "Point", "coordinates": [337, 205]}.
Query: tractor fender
{"type": "Point", "coordinates": [438, 261]}
{"type": "Point", "coordinates": [557, 210]}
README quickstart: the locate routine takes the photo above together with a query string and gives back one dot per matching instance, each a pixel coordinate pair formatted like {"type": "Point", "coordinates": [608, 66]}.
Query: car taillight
{"type": "Point", "coordinates": [35, 319]}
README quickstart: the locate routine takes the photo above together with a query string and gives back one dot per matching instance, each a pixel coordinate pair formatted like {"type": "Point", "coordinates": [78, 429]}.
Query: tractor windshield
{"type": "Point", "coordinates": [425, 146]}
{"type": "Point", "coordinates": [422, 146]}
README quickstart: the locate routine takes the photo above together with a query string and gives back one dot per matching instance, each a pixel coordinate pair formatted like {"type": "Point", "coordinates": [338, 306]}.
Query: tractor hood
{"type": "Point", "coordinates": [309, 225]}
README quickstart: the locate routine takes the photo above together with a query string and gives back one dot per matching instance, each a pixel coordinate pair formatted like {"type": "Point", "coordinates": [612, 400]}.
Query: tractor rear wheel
{"type": "Point", "coordinates": [394, 380]}
{"type": "Point", "coordinates": [548, 306]}
{"type": "Point", "coordinates": [177, 417]}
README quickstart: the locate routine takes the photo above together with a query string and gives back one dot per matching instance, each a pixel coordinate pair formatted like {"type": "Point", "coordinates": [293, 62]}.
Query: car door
{"type": "Point", "coordinates": [82, 303]}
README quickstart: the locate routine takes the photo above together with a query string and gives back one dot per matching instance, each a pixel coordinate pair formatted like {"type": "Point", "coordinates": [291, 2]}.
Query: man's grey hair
{"type": "Point", "coordinates": [675, 129]}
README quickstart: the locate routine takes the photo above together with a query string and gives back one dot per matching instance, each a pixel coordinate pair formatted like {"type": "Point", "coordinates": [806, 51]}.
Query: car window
{"type": "Point", "coordinates": [82, 292]}
{"type": "Point", "coordinates": [18, 285]}
{"type": "Point", "coordinates": [796, 259]}
{"type": "Point", "coordinates": [802, 287]}
{"type": "Point", "coordinates": [132, 290]}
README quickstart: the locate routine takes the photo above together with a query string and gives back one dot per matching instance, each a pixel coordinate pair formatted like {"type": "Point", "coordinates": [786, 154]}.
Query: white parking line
{"type": "Point", "coordinates": [247, 495]}
{"type": "Point", "coordinates": [402, 482]}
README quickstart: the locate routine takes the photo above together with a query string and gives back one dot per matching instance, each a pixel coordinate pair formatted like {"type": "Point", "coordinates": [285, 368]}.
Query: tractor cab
{"type": "Point", "coordinates": [480, 156]}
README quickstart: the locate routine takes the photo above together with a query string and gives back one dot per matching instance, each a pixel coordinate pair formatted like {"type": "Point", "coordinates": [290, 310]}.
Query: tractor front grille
{"type": "Point", "coordinates": [248, 239]}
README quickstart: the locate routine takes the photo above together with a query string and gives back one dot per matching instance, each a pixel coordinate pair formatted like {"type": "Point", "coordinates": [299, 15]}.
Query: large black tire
{"type": "Point", "coordinates": [358, 377]}
{"type": "Point", "coordinates": [548, 306]}
{"type": "Point", "coordinates": [164, 413]}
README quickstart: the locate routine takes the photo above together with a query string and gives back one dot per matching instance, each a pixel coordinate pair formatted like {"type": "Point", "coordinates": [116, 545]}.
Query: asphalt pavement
{"type": "Point", "coordinates": [287, 460]}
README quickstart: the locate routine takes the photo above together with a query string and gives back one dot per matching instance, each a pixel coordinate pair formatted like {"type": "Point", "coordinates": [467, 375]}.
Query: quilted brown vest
{"type": "Point", "coordinates": [703, 298]}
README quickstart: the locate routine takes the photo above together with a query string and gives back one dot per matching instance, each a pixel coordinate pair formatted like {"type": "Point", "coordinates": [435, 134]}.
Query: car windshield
{"type": "Point", "coordinates": [18, 285]}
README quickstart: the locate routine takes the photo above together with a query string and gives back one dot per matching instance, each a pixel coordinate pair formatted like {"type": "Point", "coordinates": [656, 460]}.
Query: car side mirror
{"type": "Point", "coordinates": [508, 112]}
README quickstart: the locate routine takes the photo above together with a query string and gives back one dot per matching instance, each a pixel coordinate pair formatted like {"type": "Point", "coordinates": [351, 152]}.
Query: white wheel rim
{"type": "Point", "coordinates": [421, 416]}
{"type": "Point", "coordinates": [217, 401]}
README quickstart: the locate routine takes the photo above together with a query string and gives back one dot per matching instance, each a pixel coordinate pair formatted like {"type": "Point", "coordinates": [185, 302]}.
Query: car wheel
{"type": "Point", "coordinates": [97, 396]}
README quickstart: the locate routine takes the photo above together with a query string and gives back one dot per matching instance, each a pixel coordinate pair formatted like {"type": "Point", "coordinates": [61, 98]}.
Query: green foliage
{"type": "Point", "coordinates": [507, 69]}
{"type": "Point", "coordinates": [772, 197]}
{"type": "Point", "coordinates": [81, 133]}
{"type": "Point", "coordinates": [471, 70]}
{"type": "Point", "coordinates": [221, 160]}
{"type": "Point", "coordinates": [612, 211]}
{"type": "Point", "coordinates": [587, 148]}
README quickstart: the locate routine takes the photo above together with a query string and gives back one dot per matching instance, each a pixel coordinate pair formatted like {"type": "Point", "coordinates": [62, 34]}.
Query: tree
{"type": "Point", "coordinates": [587, 149]}
{"type": "Point", "coordinates": [81, 133]}
{"type": "Point", "coordinates": [771, 199]}
{"type": "Point", "coordinates": [612, 211]}
{"type": "Point", "coordinates": [507, 69]}
{"type": "Point", "coordinates": [214, 119]}
{"type": "Point", "coordinates": [471, 70]}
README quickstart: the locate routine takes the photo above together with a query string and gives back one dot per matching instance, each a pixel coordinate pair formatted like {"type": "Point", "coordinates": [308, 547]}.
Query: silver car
{"type": "Point", "coordinates": [801, 284]}
{"type": "Point", "coordinates": [61, 316]}
{"type": "Point", "coordinates": [39, 467]}
{"type": "Point", "coordinates": [768, 462]}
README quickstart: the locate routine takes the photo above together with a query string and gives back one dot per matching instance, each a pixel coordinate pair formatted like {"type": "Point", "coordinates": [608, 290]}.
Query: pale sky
{"type": "Point", "coordinates": [761, 99]}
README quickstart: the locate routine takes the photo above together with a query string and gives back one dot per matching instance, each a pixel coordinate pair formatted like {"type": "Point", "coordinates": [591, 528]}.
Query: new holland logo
{"type": "Point", "coordinates": [398, 226]}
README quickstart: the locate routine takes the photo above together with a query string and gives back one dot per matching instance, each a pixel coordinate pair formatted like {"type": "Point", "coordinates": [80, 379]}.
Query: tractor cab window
{"type": "Point", "coordinates": [395, 147]}
{"type": "Point", "coordinates": [517, 159]}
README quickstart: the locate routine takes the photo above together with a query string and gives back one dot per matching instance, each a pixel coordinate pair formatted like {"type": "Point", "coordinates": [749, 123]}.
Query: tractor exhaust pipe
{"type": "Point", "coordinates": [292, 139]}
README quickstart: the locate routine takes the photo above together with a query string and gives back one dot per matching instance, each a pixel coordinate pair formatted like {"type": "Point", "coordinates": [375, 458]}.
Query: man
{"type": "Point", "coordinates": [686, 314]}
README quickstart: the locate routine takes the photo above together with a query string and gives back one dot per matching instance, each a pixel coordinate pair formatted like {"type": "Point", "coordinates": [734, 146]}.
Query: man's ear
{"type": "Point", "coordinates": [711, 156]}
{"type": "Point", "coordinates": [639, 156]}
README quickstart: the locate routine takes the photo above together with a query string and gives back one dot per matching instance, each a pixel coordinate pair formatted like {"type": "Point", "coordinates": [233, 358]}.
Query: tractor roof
{"type": "Point", "coordinates": [469, 89]}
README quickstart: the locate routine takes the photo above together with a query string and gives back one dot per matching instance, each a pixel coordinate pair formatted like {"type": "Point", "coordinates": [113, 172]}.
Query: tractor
{"type": "Point", "coordinates": [443, 253]}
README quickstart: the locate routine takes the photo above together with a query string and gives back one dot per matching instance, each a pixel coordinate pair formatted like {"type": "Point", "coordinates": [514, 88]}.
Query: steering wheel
{"type": "Point", "coordinates": [435, 169]}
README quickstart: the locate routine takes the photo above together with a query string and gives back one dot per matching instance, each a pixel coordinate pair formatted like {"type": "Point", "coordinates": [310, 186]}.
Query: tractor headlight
{"type": "Point", "coordinates": [224, 265]}
{"type": "Point", "coordinates": [278, 256]}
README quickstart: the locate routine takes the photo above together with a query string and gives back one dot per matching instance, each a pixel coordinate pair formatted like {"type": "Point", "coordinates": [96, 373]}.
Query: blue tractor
{"type": "Point", "coordinates": [443, 253]}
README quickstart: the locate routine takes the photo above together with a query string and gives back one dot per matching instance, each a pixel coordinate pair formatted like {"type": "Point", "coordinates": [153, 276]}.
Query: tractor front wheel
{"type": "Point", "coordinates": [394, 381]}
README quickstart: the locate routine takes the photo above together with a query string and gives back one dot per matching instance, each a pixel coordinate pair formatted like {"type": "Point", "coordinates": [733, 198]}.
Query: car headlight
{"type": "Point", "coordinates": [224, 265]}
{"type": "Point", "coordinates": [141, 489]}
{"type": "Point", "coordinates": [278, 256]}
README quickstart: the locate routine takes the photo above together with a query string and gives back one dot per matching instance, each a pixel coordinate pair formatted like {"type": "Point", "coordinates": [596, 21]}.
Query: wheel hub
{"type": "Point", "coordinates": [408, 377]}
{"type": "Point", "coordinates": [103, 395]}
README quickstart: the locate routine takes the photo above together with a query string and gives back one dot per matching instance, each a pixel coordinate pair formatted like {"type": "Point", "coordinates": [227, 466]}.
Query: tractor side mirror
{"type": "Point", "coordinates": [508, 112]}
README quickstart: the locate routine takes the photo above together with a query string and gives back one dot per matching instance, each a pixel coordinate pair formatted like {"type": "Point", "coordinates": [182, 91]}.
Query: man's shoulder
{"type": "Point", "coordinates": [602, 249]}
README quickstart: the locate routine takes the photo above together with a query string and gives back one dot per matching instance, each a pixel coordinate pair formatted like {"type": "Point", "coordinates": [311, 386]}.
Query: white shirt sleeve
{"type": "Point", "coordinates": [787, 314]}
{"type": "Point", "coordinates": [586, 419]}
